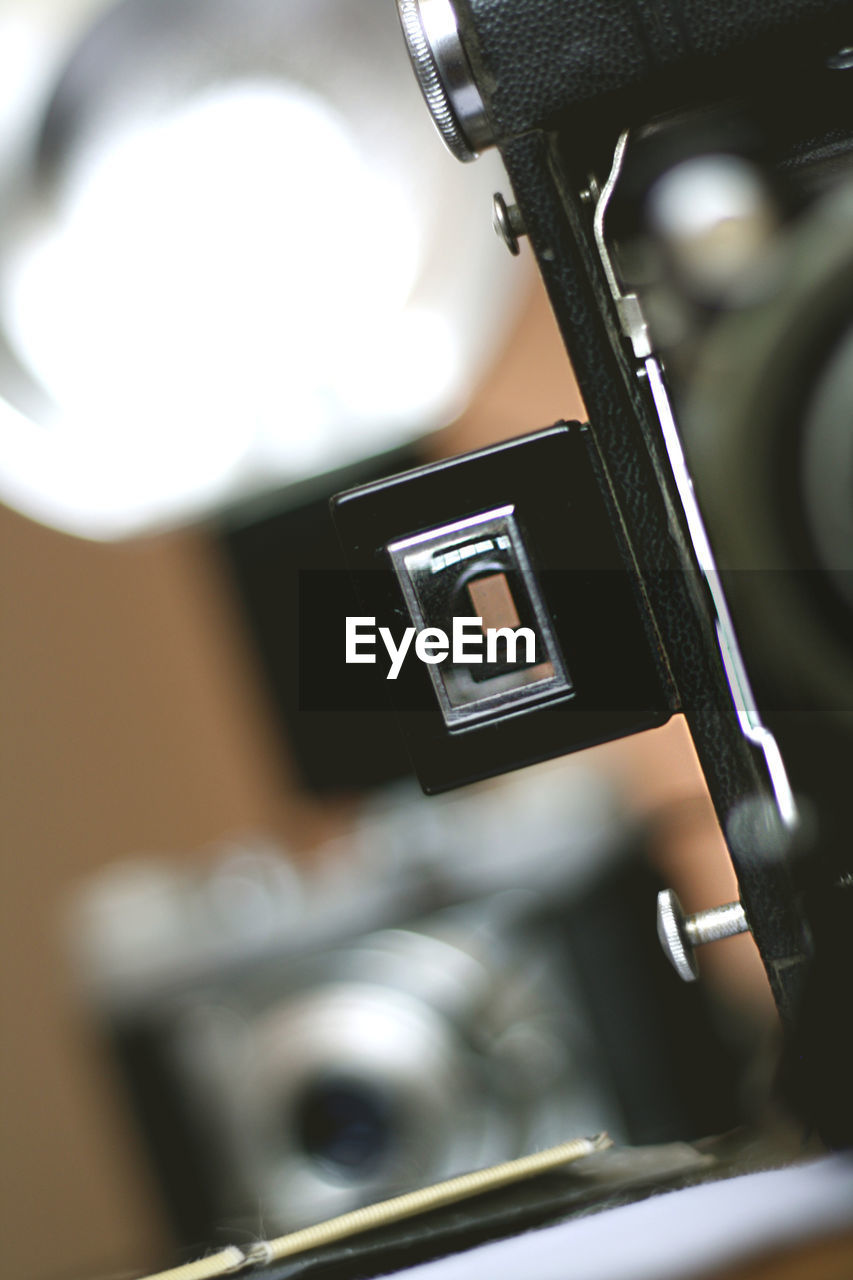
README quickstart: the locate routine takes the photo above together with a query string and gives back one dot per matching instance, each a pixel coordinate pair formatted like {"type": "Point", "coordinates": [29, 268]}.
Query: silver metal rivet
{"type": "Point", "coordinates": [507, 222]}
{"type": "Point", "coordinates": [680, 935]}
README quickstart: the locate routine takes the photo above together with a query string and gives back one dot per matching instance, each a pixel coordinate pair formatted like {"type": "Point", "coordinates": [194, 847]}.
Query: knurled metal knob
{"type": "Point", "coordinates": [680, 934]}
{"type": "Point", "coordinates": [445, 76]}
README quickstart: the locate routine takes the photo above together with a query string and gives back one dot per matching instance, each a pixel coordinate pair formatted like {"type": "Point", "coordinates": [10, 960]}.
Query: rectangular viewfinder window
{"type": "Point", "coordinates": [479, 568]}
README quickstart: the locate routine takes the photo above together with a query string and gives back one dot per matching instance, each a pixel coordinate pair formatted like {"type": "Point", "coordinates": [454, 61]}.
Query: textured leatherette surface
{"type": "Point", "coordinates": [535, 58]}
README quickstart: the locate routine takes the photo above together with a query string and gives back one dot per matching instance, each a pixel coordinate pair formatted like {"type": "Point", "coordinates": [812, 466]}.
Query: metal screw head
{"type": "Point", "coordinates": [507, 222]}
{"type": "Point", "coordinates": [672, 931]}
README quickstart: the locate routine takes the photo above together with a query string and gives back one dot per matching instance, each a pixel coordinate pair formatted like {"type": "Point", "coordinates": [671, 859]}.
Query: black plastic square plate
{"type": "Point", "coordinates": [579, 574]}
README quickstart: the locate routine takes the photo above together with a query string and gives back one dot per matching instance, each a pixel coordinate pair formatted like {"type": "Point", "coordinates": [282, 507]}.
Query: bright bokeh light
{"type": "Point", "coordinates": [226, 295]}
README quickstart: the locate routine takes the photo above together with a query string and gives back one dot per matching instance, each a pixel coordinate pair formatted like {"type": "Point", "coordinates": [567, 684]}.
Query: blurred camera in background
{"type": "Point", "coordinates": [460, 981]}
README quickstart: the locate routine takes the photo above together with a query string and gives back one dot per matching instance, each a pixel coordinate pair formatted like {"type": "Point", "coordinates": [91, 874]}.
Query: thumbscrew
{"type": "Point", "coordinates": [680, 934]}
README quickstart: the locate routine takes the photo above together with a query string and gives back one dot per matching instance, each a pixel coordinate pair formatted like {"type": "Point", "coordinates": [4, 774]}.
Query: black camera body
{"type": "Point", "coordinates": [703, 352]}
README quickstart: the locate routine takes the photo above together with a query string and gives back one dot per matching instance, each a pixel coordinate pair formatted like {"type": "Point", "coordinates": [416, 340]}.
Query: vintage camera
{"type": "Point", "coordinates": [413, 1003]}
{"type": "Point", "coordinates": [691, 213]}
{"type": "Point", "coordinates": [464, 993]}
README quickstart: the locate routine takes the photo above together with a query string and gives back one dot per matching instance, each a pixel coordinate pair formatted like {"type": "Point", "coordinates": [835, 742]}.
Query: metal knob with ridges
{"type": "Point", "coordinates": [444, 75]}
{"type": "Point", "coordinates": [680, 934]}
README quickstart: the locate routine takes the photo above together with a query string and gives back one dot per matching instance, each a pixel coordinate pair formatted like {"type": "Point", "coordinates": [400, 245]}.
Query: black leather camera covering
{"type": "Point", "coordinates": [534, 59]}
